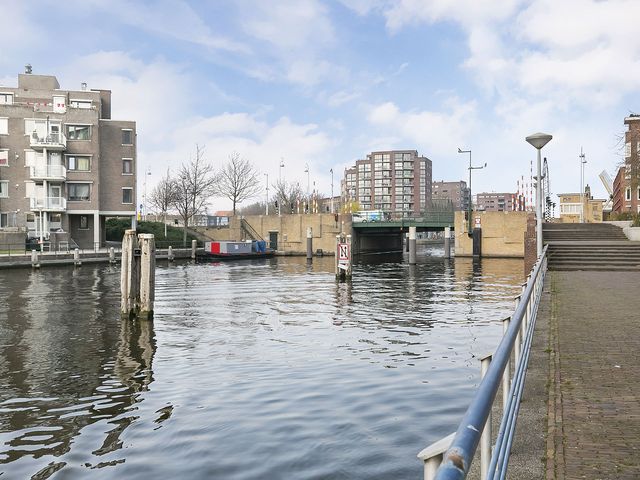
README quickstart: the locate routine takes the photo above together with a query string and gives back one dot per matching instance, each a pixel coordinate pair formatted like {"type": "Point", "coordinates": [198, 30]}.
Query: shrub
{"type": "Point", "coordinates": [115, 228]}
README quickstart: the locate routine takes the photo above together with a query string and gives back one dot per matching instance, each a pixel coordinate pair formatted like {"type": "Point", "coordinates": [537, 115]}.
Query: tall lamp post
{"type": "Point", "coordinates": [331, 190]}
{"type": "Point", "coordinates": [266, 207]}
{"type": "Point", "coordinates": [582, 162]}
{"type": "Point", "coordinates": [144, 200]}
{"type": "Point", "coordinates": [469, 231]}
{"type": "Point", "coordinates": [539, 140]}
{"type": "Point", "coordinates": [280, 170]}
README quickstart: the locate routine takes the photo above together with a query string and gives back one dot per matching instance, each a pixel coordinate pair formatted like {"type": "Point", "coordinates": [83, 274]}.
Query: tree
{"type": "Point", "coordinates": [238, 180]}
{"type": "Point", "coordinates": [257, 208]}
{"type": "Point", "coordinates": [195, 184]}
{"type": "Point", "coordinates": [163, 197]}
{"type": "Point", "coordinates": [287, 194]}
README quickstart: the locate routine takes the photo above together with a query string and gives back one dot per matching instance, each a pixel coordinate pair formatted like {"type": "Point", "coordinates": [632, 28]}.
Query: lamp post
{"type": "Point", "coordinates": [469, 232]}
{"type": "Point", "coordinates": [266, 206]}
{"type": "Point", "coordinates": [144, 195]}
{"type": "Point", "coordinates": [280, 170]}
{"type": "Point", "coordinates": [582, 162]}
{"type": "Point", "coordinates": [331, 190]}
{"type": "Point", "coordinates": [539, 140]}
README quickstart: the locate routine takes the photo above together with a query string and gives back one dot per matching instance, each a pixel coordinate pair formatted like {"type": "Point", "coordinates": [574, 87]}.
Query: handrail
{"type": "Point", "coordinates": [246, 226]}
{"type": "Point", "coordinates": [457, 459]}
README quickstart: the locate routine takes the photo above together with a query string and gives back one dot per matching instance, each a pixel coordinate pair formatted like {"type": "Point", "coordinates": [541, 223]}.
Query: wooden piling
{"type": "Point", "coordinates": [194, 246]}
{"type": "Point", "coordinates": [35, 259]}
{"type": "Point", "coordinates": [447, 242]}
{"type": "Point", "coordinates": [129, 275]}
{"type": "Point", "coordinates": [309, 243]}
{"type": "Point", "coordinates": [170, 254]}
{"type": "Point", "coordinates": [76, 258]}
{"type": "Point", "coordinates": [112, 255]}
{"type": "Point", "coordinates": [412, 245]}
{"type": "Point", "coordinates": [147, 275]}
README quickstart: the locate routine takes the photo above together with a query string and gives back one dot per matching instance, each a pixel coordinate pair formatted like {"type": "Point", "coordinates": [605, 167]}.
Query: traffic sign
{"type": "Point", "coordinates": [343, 252]}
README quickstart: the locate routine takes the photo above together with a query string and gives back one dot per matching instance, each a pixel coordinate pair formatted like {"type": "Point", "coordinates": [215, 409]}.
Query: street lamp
{"type": "Point", "coordinates": [539, 140]}
{"type": "Point", "coordinates": [469, 232]}
{"type": "Point", "coordinates": [144, 195]}
{"type": "Point", "coordinates": [582, 162]}
{"type": "Point", "coordinates": [280, 171]}
{"type": "Point", "coordinates": [331, 190]}
{"type": "Point", "coordinates": [266, 207]}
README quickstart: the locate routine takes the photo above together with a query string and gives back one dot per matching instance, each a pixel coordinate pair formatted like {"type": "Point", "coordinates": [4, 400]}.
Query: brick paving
{"type": "Point", "coordinates": [593, 416]}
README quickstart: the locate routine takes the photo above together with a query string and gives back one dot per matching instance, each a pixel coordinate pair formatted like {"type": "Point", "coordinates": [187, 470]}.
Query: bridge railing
{"type": "Point", "coordinates": [450, 458]}
{"type": "Point", "coordinates": [436, 217]}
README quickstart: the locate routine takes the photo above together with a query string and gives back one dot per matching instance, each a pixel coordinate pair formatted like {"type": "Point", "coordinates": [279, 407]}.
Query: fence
{"type": "Point", "coordinates": [450, 458]}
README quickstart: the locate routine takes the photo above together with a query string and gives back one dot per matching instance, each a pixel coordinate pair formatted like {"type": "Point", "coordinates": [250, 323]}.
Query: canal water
{"type": "Point", "coordinates": [265, 369]}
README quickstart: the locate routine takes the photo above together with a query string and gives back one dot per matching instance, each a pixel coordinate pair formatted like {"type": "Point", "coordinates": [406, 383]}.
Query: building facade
{"type": "Point", "coordinates": [496, 202]}
{"type": "Point", "coordinates": [575, 208]}
{"type": "Point", "coordinates": [394, 181]}
{"type": "Point", "coordinates": [456, 192]}
{"type": "Point", "coordinates": [65, 165]}
{"type": "Point", "coordinates": [626, 185]}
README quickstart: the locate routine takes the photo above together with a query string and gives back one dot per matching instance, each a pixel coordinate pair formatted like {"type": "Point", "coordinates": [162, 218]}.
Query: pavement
{"type": "Point", "coordinates": [580, 414]}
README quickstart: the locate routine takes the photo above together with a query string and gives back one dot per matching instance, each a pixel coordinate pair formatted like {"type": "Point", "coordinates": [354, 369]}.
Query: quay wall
{"type": "Point", "coordinates": [503, 234]}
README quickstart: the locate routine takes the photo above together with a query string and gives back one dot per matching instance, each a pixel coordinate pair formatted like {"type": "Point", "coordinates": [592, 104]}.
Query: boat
{"type": "Point", "coordinates": [231, 250]}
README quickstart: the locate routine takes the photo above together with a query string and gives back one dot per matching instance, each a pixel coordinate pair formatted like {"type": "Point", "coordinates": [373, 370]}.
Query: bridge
{"type": "Point", "coordinates": [387, 233]}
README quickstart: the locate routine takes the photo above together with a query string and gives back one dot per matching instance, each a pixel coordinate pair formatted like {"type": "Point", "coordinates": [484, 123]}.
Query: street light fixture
{"type": "Point", "coordinates": [582, 162]}
{"type": "Point", "coordinates": [539, 140]}
{"type": "Point", "coordinates": [331, 190]}
{"type": "Point", "coordinates": [266, 207]}
{"type": "Point", "coordinates": [281, 167]}
{"type": "Point", "coordinates": [469, 230]}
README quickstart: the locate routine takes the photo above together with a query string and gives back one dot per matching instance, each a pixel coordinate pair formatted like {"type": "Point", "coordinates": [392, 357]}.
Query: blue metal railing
{"type": "Point", "coordinates": [456, 460]}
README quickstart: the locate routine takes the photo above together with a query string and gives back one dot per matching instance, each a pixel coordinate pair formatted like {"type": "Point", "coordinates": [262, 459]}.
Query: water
{"type": "Point", "coordinates": [260, 370]}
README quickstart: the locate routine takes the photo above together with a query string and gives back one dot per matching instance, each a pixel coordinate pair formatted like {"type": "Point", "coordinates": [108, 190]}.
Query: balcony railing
{"type": "Point", "coordinates": [54, 204]}
{"type": "Point", "coordinates": [53, 141]}
{"type": "Point", "coordinates": [48, 172]}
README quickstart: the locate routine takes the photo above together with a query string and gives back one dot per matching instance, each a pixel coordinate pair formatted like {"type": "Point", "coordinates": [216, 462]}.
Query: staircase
{"type": "Point", "coordinates": [249, 231]}
{"type": "Point", "coordinates": [590, 246]}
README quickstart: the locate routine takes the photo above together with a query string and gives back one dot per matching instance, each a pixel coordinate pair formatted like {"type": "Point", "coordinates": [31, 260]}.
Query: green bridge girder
{"type": "Point", "coordinates": [428, 221]}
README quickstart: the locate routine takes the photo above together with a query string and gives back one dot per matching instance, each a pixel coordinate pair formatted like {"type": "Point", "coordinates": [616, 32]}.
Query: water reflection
{"type": "Point", "coordinates": [272, 361]}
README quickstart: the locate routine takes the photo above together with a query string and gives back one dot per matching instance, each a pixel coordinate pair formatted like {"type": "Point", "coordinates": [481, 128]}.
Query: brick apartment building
{"type": "Point", "coordinates": [626, 185]}
{"type": "Point", "coordinates": [496, 202]}
{"type": "Point", "coordinates": [456, 192]}
{"type": "Point", "coordinates": [65, 165]}
{"type": "Point", "coordinates": [394, 181]}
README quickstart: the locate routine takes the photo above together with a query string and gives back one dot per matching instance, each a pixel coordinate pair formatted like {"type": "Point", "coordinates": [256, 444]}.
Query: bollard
{"type": "Point", "coordinates": [112, 255]}
{"type": "Point", "coordinates": [406, 242]}
{"type": "Point", "coordinates": [485, 438]}
{"type": "Point", "coordinates": [194, 246]}
{"type": "Point", "coordinates": [76, 258]}
{"type": "Point", "coordinates": [147, 275]}
{"type": "Point", "coordinates": [447, 242]}
{"type": "Point", "coordinates": [170, 254]}
{"type": "Point", "coordinates": [129, 275]}
{"type": "Point", "coordinates": [412, 245]}
{"type": "Point", "coordinates": [309, 243]}
{"type": "Point", "coordinates": [35, 260]}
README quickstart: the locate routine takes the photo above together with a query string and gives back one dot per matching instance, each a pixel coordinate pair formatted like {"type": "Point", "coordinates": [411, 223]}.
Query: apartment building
{"type": "Point", "coordinates": [576, 208]}
{"type": "Point", "coordinates": [456, 192]}
{"type": "Point", "coordinates": [626, 185]}
{"type": "Point", "coordinates": [65, 164]}
{"type": "Point", "coordinates": [394, 181]}
{"type": "Point", "coordinates": [496, 202]}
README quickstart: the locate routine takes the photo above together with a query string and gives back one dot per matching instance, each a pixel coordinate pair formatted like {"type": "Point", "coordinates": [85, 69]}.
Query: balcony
{"type": "Point", "coordinates": [48, 172]}
{"type": "Point", "coordinates": [55, 141]}
{"type": "Point", "coordinates": [50, 204]}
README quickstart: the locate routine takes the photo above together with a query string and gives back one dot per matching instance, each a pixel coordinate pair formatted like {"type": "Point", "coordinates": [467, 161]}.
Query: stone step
{"type": "Point", "coordinates": [594, 268]}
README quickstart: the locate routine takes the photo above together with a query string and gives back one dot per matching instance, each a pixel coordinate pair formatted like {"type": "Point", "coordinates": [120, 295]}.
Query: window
{"type": "Point", "coordinates": [6, 98]}
{"type": "Point", "coordinates": [127, 137]}
{"type": "Point", "coordinates": [79, 192]}
{"type": "Point", "coordinates": [4, 158]}
{"type": "Point", "coordinates": [4, 126]}
{"type": "Point", "coordinates": [127, 166]}
{"type": "Point", "coordinates": [84, 222]}
{"type": "Point", "coordinates": [4, 189]}
{"type": "Point", "coordinates": [127, 195]}
{"type": "Point", "coordinates": [627, 194]}
{"type": "Point", "coordinates": [79, 132]}
{"type": "Point", "coordinates": [78, 164]}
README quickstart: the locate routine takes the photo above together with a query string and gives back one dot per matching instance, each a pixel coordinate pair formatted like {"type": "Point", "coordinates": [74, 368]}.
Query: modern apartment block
{"type": "Point", "coordinates": [394, 181]}
{"type": "Point", "coordinates": [496, 202]}
{"type": "Point", "coordinates": [65, 165]}
{"type": "Point", "coordinates": [626, 185]}
{"type": "Point", "coordinates": [456, 192]}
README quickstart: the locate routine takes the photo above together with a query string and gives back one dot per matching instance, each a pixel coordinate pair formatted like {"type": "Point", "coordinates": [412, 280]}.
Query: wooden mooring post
{"type": "Point", "coordinates": [309, 244]}
{"type": "Point", "coordinates": [412, 245]}
{"type": "Point", "coordinates": [137, 277]}
{"type": "Point", "coordinates": [447, 242]}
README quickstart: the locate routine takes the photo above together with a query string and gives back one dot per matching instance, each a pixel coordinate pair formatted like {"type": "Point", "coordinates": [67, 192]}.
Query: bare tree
{"type": "Point", "coordinates": [257, 208]}
{"type": "Point", "coordinates": [163, 197]}
{"type": "Point", "coordinates": [288, 195]}
{"type": "Point", "coordinates": [195, 184]}
{"type": "Point", "coordinates": [238, 180]}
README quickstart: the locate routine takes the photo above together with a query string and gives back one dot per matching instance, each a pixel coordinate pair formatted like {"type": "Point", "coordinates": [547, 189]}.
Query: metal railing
{"type": "Point", "coordinates": [48, 171]}
{"type": "Point", "coordinates": [48, 203]}
{"type": "Point", "coordinates": [54, 139]}
{"type": "Point", "coordinates": [454, 454]}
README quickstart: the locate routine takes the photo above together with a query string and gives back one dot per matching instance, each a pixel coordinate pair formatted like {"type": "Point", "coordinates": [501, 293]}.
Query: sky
{"type": "Point", "coordinates": [322, 83]}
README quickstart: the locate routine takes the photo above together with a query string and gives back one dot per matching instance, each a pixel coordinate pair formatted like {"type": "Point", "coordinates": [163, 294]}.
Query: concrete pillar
{"type": "Point", "coordinates": [129, 275]}
{"type": "Point", "coordinates": [76, 258]}
{"type": "Point", "coordinates": [194, 246]}
{"type": "Point", "coordinates": [447, 242]}
{"type": "Point", "coordinates": [309, 243]}
{"type": "Point", "coordinates": [35, 260]}
{"type": "Point", "coordinates": [112, 255]}
{"type": "Point", "coordinates": [147, 275]}
{"type": "Point", "coordinates": [96, 231]}
{"type": "Point", "coordinates": [170, 254]}
{"type": "Point", "coordinates": [412, 245]}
